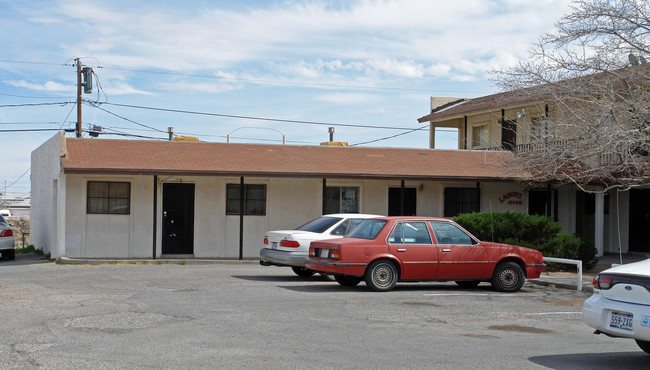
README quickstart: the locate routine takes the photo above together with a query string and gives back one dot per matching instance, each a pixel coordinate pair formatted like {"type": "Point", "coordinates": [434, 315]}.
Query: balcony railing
{"type": "Point", "coordinates": [566, 146]}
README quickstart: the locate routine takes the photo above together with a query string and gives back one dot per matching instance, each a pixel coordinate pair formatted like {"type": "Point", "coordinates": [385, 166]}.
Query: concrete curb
{"type": "Point", "coordinates": [162, 261]}
{"type": "Point", "coordinates": [587, 288]}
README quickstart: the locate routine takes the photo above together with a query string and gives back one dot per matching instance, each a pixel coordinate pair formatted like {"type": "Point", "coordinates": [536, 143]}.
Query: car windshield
{"type": "Point", "coordinates": [368, 229]}
{"type": "Point", "coordinates": [2, 219]}
{"type": "Point", "coordinates": [320, 224]}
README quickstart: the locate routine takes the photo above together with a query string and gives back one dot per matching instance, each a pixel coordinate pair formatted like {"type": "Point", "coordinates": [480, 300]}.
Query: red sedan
{"type": "Point", "coordinates": [385, 250]}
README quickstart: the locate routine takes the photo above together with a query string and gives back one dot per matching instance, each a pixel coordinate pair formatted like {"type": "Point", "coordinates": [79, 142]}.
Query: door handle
{"type": "Point", "coordinates": [401, 249]}
{"type": "Point", "coordinates": [446, 250]}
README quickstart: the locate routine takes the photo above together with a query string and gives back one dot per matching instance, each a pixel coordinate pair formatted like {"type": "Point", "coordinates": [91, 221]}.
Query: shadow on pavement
{"type": "Point", "coordinates": [610, 360]}
{"type": "Point", "coordinates": [275, 278]}
{"type": "Point", "coordinates": [25, 259]}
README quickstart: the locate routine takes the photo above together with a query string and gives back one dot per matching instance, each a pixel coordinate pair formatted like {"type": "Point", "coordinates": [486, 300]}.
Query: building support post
{"type": "Point", "coordinates": [324, 195]}
{"type": "Point", "coordinates": [155, 215]}
{"type": "Point", "coordinates": [241, 218]}
{"type": "Point", "coordinates": [401, 199]}
{"type": "Point", "coordinates": [599, 227]}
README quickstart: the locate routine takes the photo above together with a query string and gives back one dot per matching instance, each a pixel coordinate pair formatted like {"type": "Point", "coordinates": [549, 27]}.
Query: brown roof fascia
{"type": "Point", "coordinates": [117, 172]}
{"type": "Point", "coordinates": [133, 157]}
{"type": "Point", "coordinates": [517, 98]}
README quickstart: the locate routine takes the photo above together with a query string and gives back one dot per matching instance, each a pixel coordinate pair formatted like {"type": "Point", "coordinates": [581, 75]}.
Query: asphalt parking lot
{"type": "Point", "coordinates": [256, 317]}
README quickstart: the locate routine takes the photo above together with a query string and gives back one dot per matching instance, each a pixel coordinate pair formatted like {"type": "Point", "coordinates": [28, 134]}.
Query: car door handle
{"type": "Point", "coordinates": [401, 249]}
{"type": "Point", "coordinates": [446, 250]}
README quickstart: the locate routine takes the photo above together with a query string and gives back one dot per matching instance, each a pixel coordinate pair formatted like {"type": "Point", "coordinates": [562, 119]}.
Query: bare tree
{"type": "Point", "coordinates": [592, 77]}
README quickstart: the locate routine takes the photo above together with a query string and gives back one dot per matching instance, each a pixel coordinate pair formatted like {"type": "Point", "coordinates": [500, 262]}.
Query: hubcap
{"type": "Point", "coordinates": [508, 278]}
{"type": "Point", "coordinates": [383, 275]}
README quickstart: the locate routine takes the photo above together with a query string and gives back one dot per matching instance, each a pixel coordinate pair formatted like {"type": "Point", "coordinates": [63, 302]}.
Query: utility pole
{"type": "Point", "coordinates": [78, 62]}
{"type": "Point", "coordinates": [88, 88]}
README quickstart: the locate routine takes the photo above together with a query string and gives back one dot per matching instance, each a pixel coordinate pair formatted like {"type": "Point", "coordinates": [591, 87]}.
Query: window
{"type": "Point", "coordinates": [368, 229]}
{"type": "Point", "coordinates": [346, 226]}
{"type": "Point", "coordinates": [410, 233]}
{"type": "Point", "coordinates": [342, 199]}
{"type": "Point", "coordinates": [254, 199]}
{"type": "Point", "coordinates": [540, 128]}
{"type": "Point", "coordinates": [480, 136]}
{"type": "Point", "coordinates": [461, 200]}
{"type": "Point", "coordinates": [450, 234]}
{"type": "Point", "coordinates": [108, 198]}
{"type": "Point", "coordinates": [320, 224]}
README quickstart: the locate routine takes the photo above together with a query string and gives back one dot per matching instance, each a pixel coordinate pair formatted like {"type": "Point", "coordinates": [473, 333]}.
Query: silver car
{"type": "Point", "coordinates": [6, 240]}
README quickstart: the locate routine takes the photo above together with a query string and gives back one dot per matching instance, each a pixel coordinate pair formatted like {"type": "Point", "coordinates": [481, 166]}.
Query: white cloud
{"type": "Point", "coordinates": [50, 86]}
{"type": "Point", "coordinates": [404, 39]}
{"type": "Point", "coordinates": [122, 88]}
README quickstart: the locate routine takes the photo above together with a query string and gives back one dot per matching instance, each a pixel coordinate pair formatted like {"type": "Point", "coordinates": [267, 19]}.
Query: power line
{"type": "Point", "coordinates": [386, 138]}
{"type": "Point", "coordinates": [29, 123]}
{"type": "Point", "coordinates": [255, 80]}
{"type": "Point", "coordinates": [253, 117]}
{"type": "Point", "coordinates": [35, 104]}
{"type": "Point", "coordinates": [37, 97]}
{"type": "Point", "coordinates": [97, 105]}
{"type": "Point", "coordinates": [363, 87]}
{"type": "Point", "coordinates": [40, 129]}
{"type": "Point", "coordinates": [18, 179]}
{"type": "Point", "coordinates": [28, 62]}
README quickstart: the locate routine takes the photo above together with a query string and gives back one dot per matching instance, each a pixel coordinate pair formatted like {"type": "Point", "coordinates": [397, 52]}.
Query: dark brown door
{"type": "Point", "coordinates": [178, 219]}
{"type": "Point", "coordinates": [395, 202]}
{"type": "Point", "coordinates": [509, 134]}
{"type": "Point", "coordinates": [640, 220]}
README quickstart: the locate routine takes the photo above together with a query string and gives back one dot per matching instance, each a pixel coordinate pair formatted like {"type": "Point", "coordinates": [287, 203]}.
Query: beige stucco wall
{"type": "Point", "coordinates": [46, 195]}
{"type": "Point", "coordinates": [114, 236]}
{"type": "Point", "coordinates": [290, 203]}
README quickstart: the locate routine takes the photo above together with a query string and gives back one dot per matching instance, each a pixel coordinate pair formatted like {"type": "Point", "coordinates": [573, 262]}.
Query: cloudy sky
{"type": "Point", "coordinates": [254, 70]}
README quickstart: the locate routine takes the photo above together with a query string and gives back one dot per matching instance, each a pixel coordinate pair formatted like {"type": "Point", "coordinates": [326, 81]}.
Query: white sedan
{"type": "Point", "coordinates": [6, 240]}
{"type": "Point", "coordinates": [620, 304]}
{"type": "Point", "coordinates": [291, 247]}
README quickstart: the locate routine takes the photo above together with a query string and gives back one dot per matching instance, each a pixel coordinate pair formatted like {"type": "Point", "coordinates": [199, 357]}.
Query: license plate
{"type": "Point", "coordinates": [274, 245]}
{"type": "Point", "coordinates": [324, 253]}
{"type": "Point", "coordinates": [621, 321]}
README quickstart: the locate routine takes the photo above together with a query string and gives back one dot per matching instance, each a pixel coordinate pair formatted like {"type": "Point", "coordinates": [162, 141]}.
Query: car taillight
{"type": "Point", "coordinates": [335, 254]}
{"type": "Point", "coordinates": [602, 282]}
{"type": "Point", "coordinates": [6, 233]}
{"type": "Point", "coordinates": [312, 252]}
{"type": "Point", "coordinates": [289, 243]}
{"type": "Point", "coordinates": [266, 241]}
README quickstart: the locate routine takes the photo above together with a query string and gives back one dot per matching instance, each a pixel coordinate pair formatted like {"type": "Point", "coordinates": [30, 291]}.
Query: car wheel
{"type": "Point", "coordinates": [644, 345]}
{"type": "Point", "coordinates": [347, 280]}
{"type": "Point", "coordinates": [381, 276]}
{"type": "Point", "coordinates": [302, 272]}
{"type": "Point", "coordinates": [508, 277]}
{"type": "Point", "coordinates": [9, 254]}
{"type": "Point", "coordinates": [467, 283]}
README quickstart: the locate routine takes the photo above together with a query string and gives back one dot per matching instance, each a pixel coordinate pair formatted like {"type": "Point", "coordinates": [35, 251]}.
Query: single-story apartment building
{"type": "Point", "coordinates": [101, 198]}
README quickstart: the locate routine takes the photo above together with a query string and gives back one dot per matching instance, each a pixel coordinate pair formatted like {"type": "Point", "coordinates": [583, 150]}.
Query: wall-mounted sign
{"type": "Point", "coordinates": [513, 197]}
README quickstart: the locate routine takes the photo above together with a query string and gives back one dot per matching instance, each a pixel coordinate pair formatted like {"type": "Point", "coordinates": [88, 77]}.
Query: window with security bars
{"type": "Point", "coordinates": [254, 199]}
{"type": "Point", "coordinates": [461, 200]}
{"type": "Point", "coordinates": [342, 199]}
{"type": "Point", "coordinates": [106, 197]}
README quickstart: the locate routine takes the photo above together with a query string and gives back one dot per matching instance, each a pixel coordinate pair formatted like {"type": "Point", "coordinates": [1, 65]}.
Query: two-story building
{"type": "Point", "coordinates": [516, 121]}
